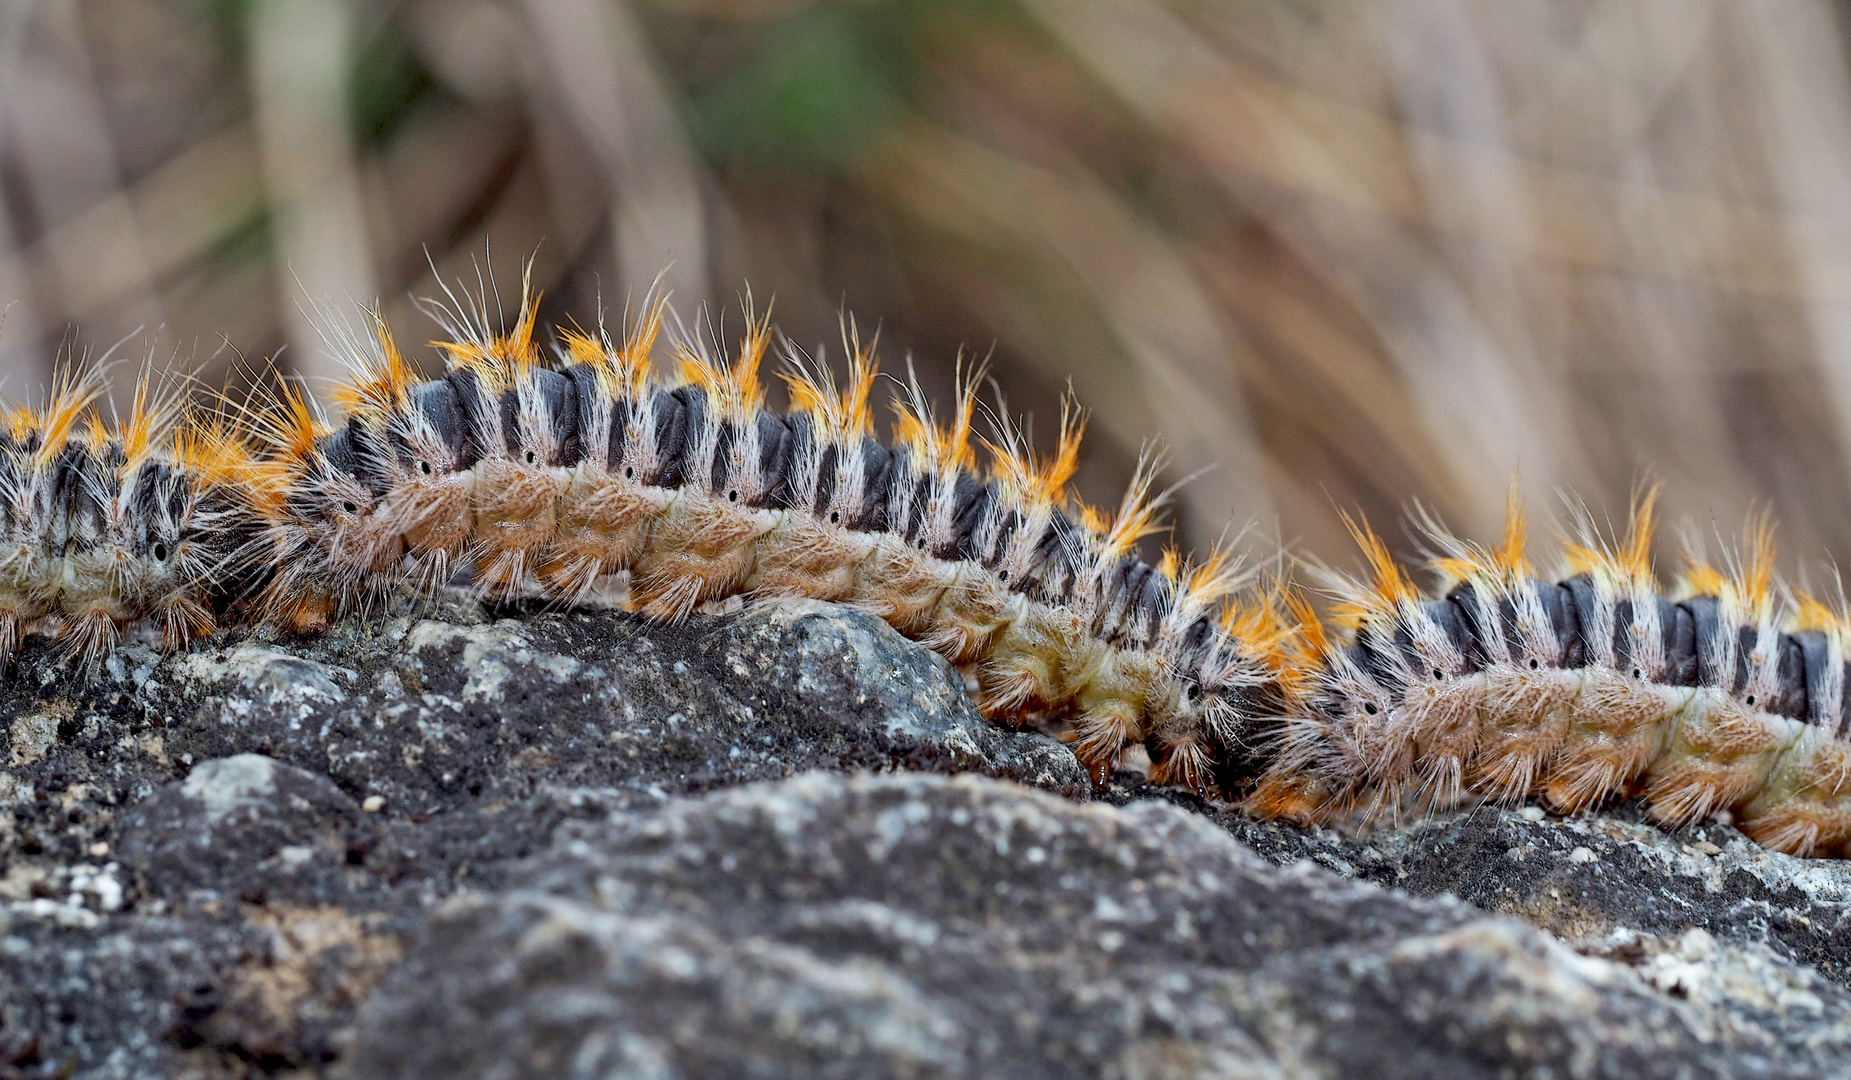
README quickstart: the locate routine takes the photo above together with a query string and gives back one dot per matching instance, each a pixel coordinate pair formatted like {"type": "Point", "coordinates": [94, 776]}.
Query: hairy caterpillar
{"type": "Point", "coordinates": [1720, 695]}
{"type": "Point", "coordinates": [528, 473]}
{"type": "Point", "coordinates": [107, 530]}
{"type": "Point", "coordinates": [548, 476]}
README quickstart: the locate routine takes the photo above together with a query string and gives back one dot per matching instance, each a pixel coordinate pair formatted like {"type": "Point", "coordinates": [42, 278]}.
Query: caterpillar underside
{"type": "Point", "coordinates": [556, 475]}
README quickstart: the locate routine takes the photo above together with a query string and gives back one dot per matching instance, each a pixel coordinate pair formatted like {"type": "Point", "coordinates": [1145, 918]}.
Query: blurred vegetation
{"type": "Point", "coordinates": [1339, 255]}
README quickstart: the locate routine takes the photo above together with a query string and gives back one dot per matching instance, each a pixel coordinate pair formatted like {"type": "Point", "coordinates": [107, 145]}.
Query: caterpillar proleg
{"type": "Point", "coordinates": [557, 472]}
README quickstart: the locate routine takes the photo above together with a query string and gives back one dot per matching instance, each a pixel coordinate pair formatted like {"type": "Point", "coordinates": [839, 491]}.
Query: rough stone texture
{"type": "Point", "coordinates": [918, 926]}
{"type": "Point", "coordinates": [569, 843]}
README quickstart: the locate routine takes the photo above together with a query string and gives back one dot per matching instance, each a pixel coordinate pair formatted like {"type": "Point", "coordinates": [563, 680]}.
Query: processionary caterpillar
{"type": "Point", "coordinates": [550, 475]}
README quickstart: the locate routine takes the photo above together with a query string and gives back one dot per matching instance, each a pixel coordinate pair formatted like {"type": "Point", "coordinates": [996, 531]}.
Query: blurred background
{"type": "Point", "coordinates": [1341, 255]}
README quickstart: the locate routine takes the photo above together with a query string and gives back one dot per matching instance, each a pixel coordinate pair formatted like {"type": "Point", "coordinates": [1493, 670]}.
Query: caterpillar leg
{"type": "Point", "coordinates": [1805, 805]}
{"type": "Point", "coordinates": [1023, 671]}
{"type": "Point", "coordinates": [901, 585]}
{"type": "Point", "coordinates": [971, 612]}
{"type": "Point", "coordinates": [603, 527]}
{"type": "Point", "coordinates": [1525, 716]}
{"type": "Point", "coordinates": [699, 550]}
{"type": "Point", "coordinates": [1615, 732]}
{"type": "Point", "coordinates": [515, 512]}
{"type": "Point", "coordinates": [1181, 754]}
{"type": "Point", "coordinates": [1444, 735]}
{"type": "Point", "coordinates": [1719, 753]}
{"type": "Point", "coordinates": [1101, 735]}
{"type": "Point", "coordinates": [11, 637]}
{"type": "Point", "coordinates": [801, 557]}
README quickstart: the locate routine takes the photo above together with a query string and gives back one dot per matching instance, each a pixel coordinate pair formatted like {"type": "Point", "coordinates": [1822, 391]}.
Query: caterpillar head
{"type": "Point", "coordinates": [1353, 697]}
{"type": "Point", "coordinates": [338, 498]}
{"type": "Point", "coordinates": [329, 535]}
{"type": "Point", "coordinates": [170, 540]}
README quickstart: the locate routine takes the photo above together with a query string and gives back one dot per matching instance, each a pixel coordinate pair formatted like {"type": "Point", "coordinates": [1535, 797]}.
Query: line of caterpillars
{"type": "Point", "coordinates": [529, 474]}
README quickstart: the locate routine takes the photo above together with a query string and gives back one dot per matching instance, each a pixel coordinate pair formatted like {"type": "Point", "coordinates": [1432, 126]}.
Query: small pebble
{"type": "Point", "coordinates": [374, 804]}
{"type": "Point", "coordinates": [1582, 855]}
{"type": "Point", "coordinates": [99, 849]}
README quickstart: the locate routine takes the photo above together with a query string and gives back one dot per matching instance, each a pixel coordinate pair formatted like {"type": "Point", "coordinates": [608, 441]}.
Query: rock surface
{"type": "Point", "coordinates": [569, 843]}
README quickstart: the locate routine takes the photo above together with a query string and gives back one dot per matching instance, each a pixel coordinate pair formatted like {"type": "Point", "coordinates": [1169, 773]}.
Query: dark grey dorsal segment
{"type": "Point", "coordinates": [1378, 664]}
{"type": "Point", "coordinates": [557, 399]}
{"type": "Point", "coordinates": [970, 499]}
{"type": "Point", "coordinates": [478, 411]}
{"type": "Point", "coordinates": [1051, 574]}
{"type": "Point", "coordinates": [775, 446]}
{"type": "Point", "coordinates": [876, 474]}
{"type": "Point", "coordinates": [1452, 622]}
{"type": "Point", "coordinates": [1564, 613]}
{"type": "Point", "coordinates": [77, 513]}
{"type": "Point", "coordinates": [1706, 626]}
{"type": "Point", "coordinates": [1680, 634]}
{"type": "Point", "coordinates": [1815, 663]}
{"type": "Point", "coordinates": [1483, 622]}
{"type": "Point", "coordinates": [1154, 600]}
{"type": "Point", "coordinates": [1006, 528]}
{"type": "Point", "coordinates": [160, 496]}
{"type": "Point", "coordinates": [1118, 614]}
{"type": "Point", "coordinates": [799, 441]}
{"type": "Point", "coordinates": [1791, 692]}
{"type": "Point", "coordinates": [674, 427]}
{"type": "Point", "coordinates": [1844, 702]}
{"type": "Point", "coordinates": [441, 410]}
{"type": "Point", "coordinates": [357, 451]}
{"type": "Point", "coordinates": [1744, 646]}
{"type": "Point", "coordinates": [1622, 636]}
{"type": "Point", "coordinates": [1583, 599]}
{"type": "Point", "coordinates": [589, 394]}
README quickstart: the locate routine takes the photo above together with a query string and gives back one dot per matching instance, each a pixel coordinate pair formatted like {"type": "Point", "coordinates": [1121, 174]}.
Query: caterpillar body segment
{"type": "Point", "coordinates": [1509, 686]}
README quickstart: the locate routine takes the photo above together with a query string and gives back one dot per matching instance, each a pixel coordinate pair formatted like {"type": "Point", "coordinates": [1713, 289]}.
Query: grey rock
{"type": "Point", "coordinates": [245, 825]}
{"type": "Point", "coordinates": [430, 714]}
{"type": "Point", "coordinates": [227, 789]}
{"type": "Point", "coordinates": [914, 926]}
{"type": "Point", "coordinates": [1609, 884]}
{"type": "Point", "coordinates": [210, 863]}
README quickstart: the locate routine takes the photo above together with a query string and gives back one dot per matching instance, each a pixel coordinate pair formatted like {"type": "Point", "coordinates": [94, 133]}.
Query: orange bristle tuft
{"type": "Point", "coordinates": [857, 413]}
{"type": "Point", "coordinates": [383, 379]}
{"type": "Point", "coordinates": [1053, 475]}
{"type": "Point", "coordinates": [1811, 613]}
{"type": "Point", "coordinates": [1139, 511]}
{"type": "Point", "coordinates": [96, 432]}
{"type": "Point", "coordinates": [1702, 579]}
{"type": "Point", "coordinates": [1754, 577]}
{"type": "Point", "coordinates": [940, 449]}
{"type": "Point", "coordinates": [213, 449]}
{"type": "Point", "coordinates": [1510, 559]}
{"type": "Point", "coordinates": [1630, 561]}
{"type": "Point", "coordinates": [499, 358]}
{"type": "Point", "coordinates": [1389, 586]}
{"type": "Point", "coordinates": [71, 397]}
{"type": "Point", "coordinates": [1635, 556]}
{"type": "Point", "coordinates": [138, 433]}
